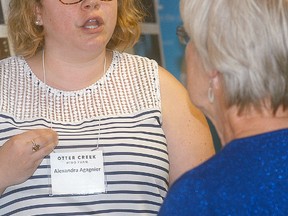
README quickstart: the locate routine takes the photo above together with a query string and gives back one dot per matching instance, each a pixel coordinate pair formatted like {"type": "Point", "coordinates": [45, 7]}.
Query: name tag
{"type": "Point", "coordinates": [77, 173]}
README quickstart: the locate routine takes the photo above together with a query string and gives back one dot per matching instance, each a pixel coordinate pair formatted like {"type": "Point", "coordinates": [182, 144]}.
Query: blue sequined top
{"type": "Point", "coordinates": [249, 176]}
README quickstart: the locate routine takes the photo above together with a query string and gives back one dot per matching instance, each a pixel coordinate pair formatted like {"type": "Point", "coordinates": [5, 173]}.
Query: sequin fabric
{"type": "Point", "coordinates": [248, 177]}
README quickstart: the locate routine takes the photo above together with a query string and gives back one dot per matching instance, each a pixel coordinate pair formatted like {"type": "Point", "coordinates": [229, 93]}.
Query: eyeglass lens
{"type": "Point", "coordinates": [70, 2]}
{"type": "Point", "coordinates": [182, 35]}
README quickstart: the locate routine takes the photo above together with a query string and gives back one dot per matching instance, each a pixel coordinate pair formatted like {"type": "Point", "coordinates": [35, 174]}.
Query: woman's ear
{"type": "Point", "coordinates": [38, 15]}
{"type": "Point", "coordinates": [215, 78]}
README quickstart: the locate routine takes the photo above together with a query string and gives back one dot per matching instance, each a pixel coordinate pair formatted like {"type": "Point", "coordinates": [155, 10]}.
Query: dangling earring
{"type": "Point", "coordinates": [210, 93]}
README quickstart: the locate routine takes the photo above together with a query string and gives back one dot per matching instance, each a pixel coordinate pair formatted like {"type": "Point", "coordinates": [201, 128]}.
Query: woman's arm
{"type": "Point", "coordinates": [187, 131]}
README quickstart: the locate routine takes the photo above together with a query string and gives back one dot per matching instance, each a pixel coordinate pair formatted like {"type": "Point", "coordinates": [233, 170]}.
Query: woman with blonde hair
{"type": "Point", "coordinates": [87, 129]}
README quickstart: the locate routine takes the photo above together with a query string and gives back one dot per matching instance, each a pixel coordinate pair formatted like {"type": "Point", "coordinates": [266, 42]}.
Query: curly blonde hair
{"type": "Point", "coordinates": [28, 38]}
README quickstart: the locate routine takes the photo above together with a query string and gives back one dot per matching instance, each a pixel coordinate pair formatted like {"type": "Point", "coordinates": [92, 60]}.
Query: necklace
{"type": "Point", "coordinates": [47, 95]}
{"type": "Point", "coordinates": [44, 68]}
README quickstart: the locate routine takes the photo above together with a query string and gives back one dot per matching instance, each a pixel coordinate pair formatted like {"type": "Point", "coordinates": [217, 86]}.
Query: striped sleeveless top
{"type": "Point", "coordinates": [120, 113]}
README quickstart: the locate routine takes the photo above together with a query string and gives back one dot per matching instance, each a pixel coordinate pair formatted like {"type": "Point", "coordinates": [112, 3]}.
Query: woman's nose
{"type": "Point", "coordinates": [90, 4]}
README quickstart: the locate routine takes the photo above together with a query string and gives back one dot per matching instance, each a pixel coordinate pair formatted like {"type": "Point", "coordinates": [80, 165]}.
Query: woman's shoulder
{"type": "Point", "coordinates": [133, 57]}
{"type": "Point", "coordinates": [135, 65]}
{"type": "Point", "coordinates": [11, 60]}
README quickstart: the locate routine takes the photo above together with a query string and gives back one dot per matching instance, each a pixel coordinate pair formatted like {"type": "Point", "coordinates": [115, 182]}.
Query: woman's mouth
{"type": "Point", "coordinates": [91, 24]}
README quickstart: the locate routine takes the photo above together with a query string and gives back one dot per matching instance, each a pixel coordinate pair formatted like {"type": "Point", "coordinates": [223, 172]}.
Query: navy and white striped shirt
{"type": "Point", "coordinates": [121, 112]}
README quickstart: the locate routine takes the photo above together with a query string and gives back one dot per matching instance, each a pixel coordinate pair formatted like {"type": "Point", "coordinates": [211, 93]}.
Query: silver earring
{"type": "Point", "coordinates": [210, 93]}
{"type": "Point", "coordinates": [37, 22]}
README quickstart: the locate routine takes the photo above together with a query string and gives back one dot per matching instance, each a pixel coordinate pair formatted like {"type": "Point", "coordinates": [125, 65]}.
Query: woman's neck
{"type": "Point", "coordinates": [234, 125]}
{"type": "Point", "coordinates": [66, 74]}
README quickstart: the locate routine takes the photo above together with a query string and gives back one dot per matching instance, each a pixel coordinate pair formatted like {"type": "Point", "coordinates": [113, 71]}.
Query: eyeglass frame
{"type": "Point", "coordinates": [76, 2]}
{"type": "Point", "coordinates": [183, 37]}
{"type": "Point", "coordinates": [70, 3]}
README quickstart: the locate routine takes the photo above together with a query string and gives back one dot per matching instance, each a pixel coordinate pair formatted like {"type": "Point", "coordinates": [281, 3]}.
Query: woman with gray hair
{"type": "Point", "coordinates": [237, 74]}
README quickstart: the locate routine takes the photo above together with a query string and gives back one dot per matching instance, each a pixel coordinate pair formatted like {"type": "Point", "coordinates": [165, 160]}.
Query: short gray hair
{"type": "Point", "coordinates": [247, 42]}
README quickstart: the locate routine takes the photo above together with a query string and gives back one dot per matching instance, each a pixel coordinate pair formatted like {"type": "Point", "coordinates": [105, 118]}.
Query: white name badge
{"type": "Point", "coordinates": [77, 173]}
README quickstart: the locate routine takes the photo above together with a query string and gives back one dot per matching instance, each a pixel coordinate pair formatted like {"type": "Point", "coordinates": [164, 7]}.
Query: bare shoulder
{"type": "Point", "coordinates": [175, 97]}
{"type": "Point", "coordinates": [188, 135]}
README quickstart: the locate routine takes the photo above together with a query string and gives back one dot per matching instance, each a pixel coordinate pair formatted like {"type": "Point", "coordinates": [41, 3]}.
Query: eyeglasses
{"type": "Point", "coordinates": [71, 2]}
{"type": "Point", "coordinates": [183, 37]}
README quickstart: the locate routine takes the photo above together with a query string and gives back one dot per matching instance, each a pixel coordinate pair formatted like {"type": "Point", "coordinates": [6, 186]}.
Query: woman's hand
{"type": "Point", "coordinates": [22, 154]}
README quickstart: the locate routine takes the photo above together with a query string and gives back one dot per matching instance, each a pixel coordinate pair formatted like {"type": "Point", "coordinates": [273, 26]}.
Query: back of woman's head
{"type": "Point", "coordinates": [247, 42]}
{"type": "Point", "coordinates": [28, 38]}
